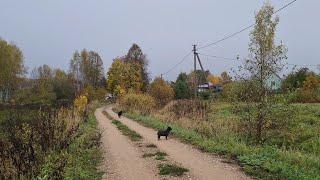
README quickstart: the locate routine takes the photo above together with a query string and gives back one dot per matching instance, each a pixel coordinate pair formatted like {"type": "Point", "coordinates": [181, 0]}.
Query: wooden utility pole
{"type": "Point", "coordinates": [195, 68]}
{"type": "Point", "coordinates": [196, 57]}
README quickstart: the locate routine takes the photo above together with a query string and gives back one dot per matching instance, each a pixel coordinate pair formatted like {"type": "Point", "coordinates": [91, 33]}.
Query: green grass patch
{"type": "Point", "coordinates": [160, 158]}
{"type": "Point", "coordinates": [160, 155]}
{"type": "Point", "coordinates": [126, 131]}
{"type": "Point", "coordinates": [170, 169]}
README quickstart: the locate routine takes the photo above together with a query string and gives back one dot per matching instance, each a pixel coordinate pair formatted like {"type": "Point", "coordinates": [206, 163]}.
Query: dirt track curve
{"type": "Point", "coordinates": [202, 166]}
{"type": "Point", "coordinates": [122, 159]}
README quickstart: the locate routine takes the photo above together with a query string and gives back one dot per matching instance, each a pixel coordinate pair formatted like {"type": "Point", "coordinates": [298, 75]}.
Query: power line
{"type": "Point", "coordinates": [181, 61]}
{"type": "Point", "coordinates": [223, 39]}
{"type": "Point", "coordinates": [219, 57]}
{"type": "Point", "coordinates": [238, 32]}
{"type": "Point", "coordinates": [306, 65]}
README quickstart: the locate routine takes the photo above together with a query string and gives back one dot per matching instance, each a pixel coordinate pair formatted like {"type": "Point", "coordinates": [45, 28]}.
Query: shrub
{"type": "Point", "coordinates": [309, 93]}
{"type": "Point", "coordinates": [161, 91]}
{"type": "Point", "coordinates": [237, 91]}
{"type": "Point", "coordinates": [304, 96]}
{"type": "Point", "coordinates": [80, 104]}
{"type": "Point", "coordinates": [137, 102]}
{"type": "Point", "coordinates": [29, 135]}
{"type": "Point", "coordinates": [308, 96]}
{"type": "Point", "coordinates": [311, 83]}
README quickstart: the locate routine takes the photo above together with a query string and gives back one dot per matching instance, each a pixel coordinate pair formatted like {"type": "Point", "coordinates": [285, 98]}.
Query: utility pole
{"type": "Point", "coordinates": [196, 57]}
{"type": "Point", "coordinates": [195, 68]}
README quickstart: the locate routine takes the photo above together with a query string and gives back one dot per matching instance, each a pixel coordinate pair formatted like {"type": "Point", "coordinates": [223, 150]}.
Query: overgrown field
{"type": "Point", "coordinates": [292, 152]}
{"type": "Point", "coordinates": [80, 159]}
{"type": "Point", "coordinates": [39, 144]}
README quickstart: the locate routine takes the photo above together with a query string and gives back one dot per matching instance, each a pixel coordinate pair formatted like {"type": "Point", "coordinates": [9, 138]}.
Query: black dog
{"type": "Point", "coordinates": [164, 133]}
{"type": "Point", "coordinates": [119, 114]}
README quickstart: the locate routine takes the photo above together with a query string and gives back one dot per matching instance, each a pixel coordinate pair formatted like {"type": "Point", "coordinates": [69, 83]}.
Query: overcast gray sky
{"type": "Point", "coordinates": [49, 31]}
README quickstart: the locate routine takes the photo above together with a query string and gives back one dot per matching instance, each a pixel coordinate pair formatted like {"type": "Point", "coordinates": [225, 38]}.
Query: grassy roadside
{"type": "Point", "coordinates": [266, 162]}
{"type": "Point", "coordinates": [81, 158]}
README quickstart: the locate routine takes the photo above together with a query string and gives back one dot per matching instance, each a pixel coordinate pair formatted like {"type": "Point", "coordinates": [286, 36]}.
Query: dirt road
{"type": "Point", "coordinates": [122, 159]}
{"type": "Point", "coordinates": [201, 165]}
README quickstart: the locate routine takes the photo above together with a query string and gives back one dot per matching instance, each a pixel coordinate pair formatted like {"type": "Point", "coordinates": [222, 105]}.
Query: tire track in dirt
{"type": "Point", "coordinates": [201, 165]}
{"type": "Point", "coordinates": [122, 159]}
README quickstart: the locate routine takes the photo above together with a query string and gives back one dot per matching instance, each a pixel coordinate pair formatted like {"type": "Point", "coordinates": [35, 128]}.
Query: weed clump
{"type": "Point", "coordinates": [170, 169]}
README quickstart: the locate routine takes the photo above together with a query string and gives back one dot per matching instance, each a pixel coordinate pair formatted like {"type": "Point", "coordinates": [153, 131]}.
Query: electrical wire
{"type": "Point", "coordinates": [223, 39]}
{"type": "Point", "coordinates": [248, 27]}
{"type": "Point", "coordinates": [181, 61]}
{"type": "Point", "coordinates": [219, 57]}
{"type": "Point", "coordinates": [306, 65]}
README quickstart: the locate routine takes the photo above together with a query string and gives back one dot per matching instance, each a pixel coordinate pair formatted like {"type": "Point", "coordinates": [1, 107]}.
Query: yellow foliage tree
{"type": "Point", "coordinates": [214, 79]}
{"type": "Point", "coordinates": [122, 76]}
{"type": "Point", "coordinates": [311, 83]}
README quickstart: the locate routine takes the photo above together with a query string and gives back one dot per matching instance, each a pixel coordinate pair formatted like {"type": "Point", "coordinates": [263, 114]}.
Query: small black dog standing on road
{"type": "Point", "coordinates": [164, 133]}
{"type": "Point", "coordinates": [119, 114]}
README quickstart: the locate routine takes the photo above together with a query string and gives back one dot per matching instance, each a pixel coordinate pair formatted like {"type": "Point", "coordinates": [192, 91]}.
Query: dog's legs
{"type": "Point", "coordinates": [158, 137]}
{"type": "Point", "coordinates": [166, 137]}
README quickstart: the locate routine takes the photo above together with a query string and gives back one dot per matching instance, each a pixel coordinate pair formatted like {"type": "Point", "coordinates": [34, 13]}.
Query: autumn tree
{"type": "Point", "coordinates": [310, 90]}
{"type": "Point", "coordinates": [75, 70]}
{"type": "Point", "coordinates": [139, 62]}
{"type": "Point", "coordinates": [86, 68]}
{"type": "Point", "coordinates": [121, 77]}
{"type": "Point", "coordinates": [92, 68]}
{"type": "Point", "coordinates": [214, 79]}
{"type": "Point", "coordinates": [265, 58]}
{"type": "Point", "coordinates": [161, 91]}
{"type": "Point", "coordinates": [311, 83]}
{"type": "Point", "coordinates": [12, 69]}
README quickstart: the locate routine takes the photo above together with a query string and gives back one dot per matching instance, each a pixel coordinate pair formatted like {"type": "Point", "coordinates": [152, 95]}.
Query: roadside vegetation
{"type": "Point", "coordinates": [81, 158]}
{"type": "Point", "coordinates": [47, 126]}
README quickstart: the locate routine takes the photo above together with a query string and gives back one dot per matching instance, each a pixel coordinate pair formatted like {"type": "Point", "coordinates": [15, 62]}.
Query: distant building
{"type": "Point", "coordinates": [273, 82]}
{"type": "Point", "coordinates": [209, 86]}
